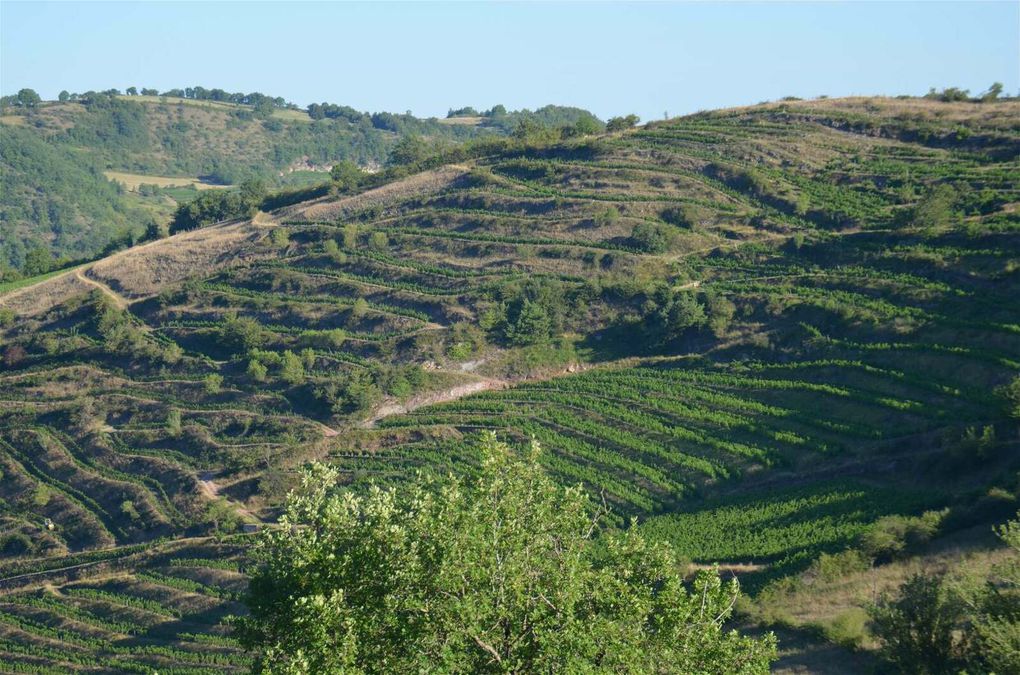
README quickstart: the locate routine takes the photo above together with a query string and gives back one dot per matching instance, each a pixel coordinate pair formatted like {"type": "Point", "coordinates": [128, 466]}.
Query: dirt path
{"type": "Point", "coordinates": [211, 490]}
{"type": "Point", "coordinates": [118, 300]}
{"type": "Point", "coordinates": [461, 390]}
{"type": "Point", "coordinates": [729, 568]}
{"type": "Point", "coordinates": [329, 208]}
{"type": "Point", "coordinates": [431, 398]}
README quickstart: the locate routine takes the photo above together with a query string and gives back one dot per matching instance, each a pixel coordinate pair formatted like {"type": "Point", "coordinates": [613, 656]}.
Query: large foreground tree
{"type": "Point", "coordinates": [503, 573]}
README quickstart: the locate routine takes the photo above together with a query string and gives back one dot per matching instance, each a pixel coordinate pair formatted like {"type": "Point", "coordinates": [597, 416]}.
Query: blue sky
{"type": "Point", "coordinates": [612, 58]}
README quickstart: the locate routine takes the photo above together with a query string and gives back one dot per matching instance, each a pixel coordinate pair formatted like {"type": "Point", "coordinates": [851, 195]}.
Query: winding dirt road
{"type": "Point", "coordinates": [118, 299]}
{"type": "Point", "coordinates": [212, 491]}
{"type": "Point", "coordinates": [422, 400]}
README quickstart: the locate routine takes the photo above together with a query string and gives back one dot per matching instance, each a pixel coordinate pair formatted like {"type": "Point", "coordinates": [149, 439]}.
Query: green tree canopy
{"type": "Point", "coordinates": [653, 237]}
{"type": "Point", "coordinates": [621, 123]}
{"type": "Point", "coordinates": [347, 175]}
{"type": "Point", "coordinates": [917, 628]}
{"type": "Point", "coordinates": [498, 574]}
{"type": "Point", "coordinates": [993, 93]}
{"type": "Point", "coordinates": [527, 323]}
{"type": "Point", "coordinates": [410, 149]}
{"type": "Point", "coordinates": [28, 98]}
{"type": "Point", "coordinates": [37, 261]}
{"type": "Point", "coordinates": [996, 621]}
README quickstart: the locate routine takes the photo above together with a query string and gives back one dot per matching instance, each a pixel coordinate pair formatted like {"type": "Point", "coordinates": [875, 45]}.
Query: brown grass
{"type": "Point", "coordinates": [148, 269]}
{"type": "Point", "coordinates": [997, 114]}
{"type": "Point", "coordinates": [132, 180]}
{"type": "Point", "coordinates": [818, 602]}
{"type": "Point", "coordinates": [288, 115]}
{"type": "Point", "coordinates": [329, 208]}
{"type": "Point", "coordinates": [145, 270]}
{"type": "Point", "coordinates": [40, 297]}
{"type": "Point", "coordinates": [463, 121]}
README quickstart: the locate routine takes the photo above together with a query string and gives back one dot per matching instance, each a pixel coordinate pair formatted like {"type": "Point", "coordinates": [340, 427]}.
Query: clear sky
{"type": "Point", "coordinates": [612, 58]}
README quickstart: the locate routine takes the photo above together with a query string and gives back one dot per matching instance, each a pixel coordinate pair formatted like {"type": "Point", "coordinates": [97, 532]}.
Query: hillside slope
{"type": "Point", "coordinates": [78, 175]}
{"type": "Point", "coordinates": [756, 330]}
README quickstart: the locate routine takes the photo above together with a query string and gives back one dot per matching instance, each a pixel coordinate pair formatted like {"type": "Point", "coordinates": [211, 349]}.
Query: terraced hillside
{"type": "Point", "coordinates": [97, 170]}
{"type": "Point", "coordinates": [158, 610]}
{"type": "Point", "coordinates": [757, 331]}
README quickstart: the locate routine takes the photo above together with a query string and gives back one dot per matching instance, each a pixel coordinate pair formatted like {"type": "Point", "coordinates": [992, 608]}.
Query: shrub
{"type": "Point", "coordinates": [241, 335]}
{"type": "Point", "coordinates": [975, 448]}
{"type": "Point", "coordinates": [16, 544]}
{"type": "Point", "coordinates": [835, 566]}
{"type": "Point", "coordinates": [127, 507]}
{"type": "Point", "coordinates": [720, 313]}
{"type": "Point", "coordinates": [359, 308]}
{"type": "Point", "coordinates": [279, 237]}
{"type": "Point", "coordinates": [1010, 394]}
{"type": "Point", "coordinates": [308, 358]}
{"type": "Point", "coordinates": [653, 237]}
{"type": "Point", "coordinates": [465, 339]}
{"type": "Point", "coordinates": [409, 150]}
{"type": "Point", "coordinates": [292, 370]}
{"type": "Point", "coordinates": [949, 94]}
{"type": "Point", "coordinates": [848, 628]}
{"type": "Point", "coordinates": [621, 123]}
{"type": "Point", "coordinates": [607, 216]}
{"type": "Point", "coordinates": [993, 93]}
{"type": "Point", "coordinates": [41, 496]}
{"type": "Point", "coordinates": [173, 423]}
{"type": "Point", "coordinates": [892, 536]}
{"type": "Point", "coordinates": [212, 383]}
{"type": "Point", "coordinates": [334, 338]}
{"type": "Point", "coordinates": [222, 517]}
{"type": "Point", "coordinates": [332, 249]}
{"type": "Point", "coordinates": [215, 205]}
{"type": "Point", "coordinates": [379, 241]}
{"type": "Point", "coordinates": [496, 574]}
{"type": "Point", "coordinates": [996, 621]}
{"type": "Point", "coordinates": [257, 371]}
{"type": "Point", "coordinates": [350, 236]}
{"type": "Point", "coordinates": [917, 627]}
{"type": "Point", "coordinates": [527, 323]}
{"type": "Point", "coordinates": [936, 209]}
{"type": "Point", "coordinates": [346, 175]}
{"type": "Point", "coordinates": [670, 313]}
{"type": "Point", "coordinates": [687, 216]}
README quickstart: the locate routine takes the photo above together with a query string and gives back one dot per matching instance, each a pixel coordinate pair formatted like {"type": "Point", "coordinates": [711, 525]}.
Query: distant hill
{"type": "Point", "coordinates": [761, 332]}
{"type": "Point", "coordinates": [58, 157]}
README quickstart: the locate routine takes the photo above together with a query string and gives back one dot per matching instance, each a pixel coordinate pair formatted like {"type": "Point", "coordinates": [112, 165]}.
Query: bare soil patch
{"type": "Point", "coordinates": [132, 180]}
{"type": "Point", "coordinates": [419, 184]}
{"type": "Point", "coordinates": [431, 398]}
